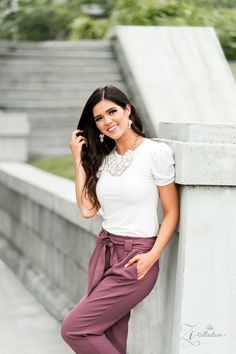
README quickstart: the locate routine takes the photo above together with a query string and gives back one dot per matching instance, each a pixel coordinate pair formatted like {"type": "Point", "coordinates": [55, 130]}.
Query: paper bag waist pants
{"type": "Point", "coordinates": [98, 324]}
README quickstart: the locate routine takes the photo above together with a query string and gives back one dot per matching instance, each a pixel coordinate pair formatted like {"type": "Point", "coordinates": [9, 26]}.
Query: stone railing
{"type": "Point", "coordinates": [44, 239]}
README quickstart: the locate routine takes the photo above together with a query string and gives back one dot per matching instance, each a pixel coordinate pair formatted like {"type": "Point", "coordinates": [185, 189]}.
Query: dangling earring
{"type": "Point", "coordinates": [129, 123]}
{"type": "Point", "coordinates": [101, 136]}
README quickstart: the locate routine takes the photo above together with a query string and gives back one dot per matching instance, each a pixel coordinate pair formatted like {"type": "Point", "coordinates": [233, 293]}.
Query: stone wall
{"type": "Point", "coordinates": [44, 239]}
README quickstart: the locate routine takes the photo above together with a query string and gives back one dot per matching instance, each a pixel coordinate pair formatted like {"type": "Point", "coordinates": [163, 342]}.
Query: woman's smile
{"type": "Point", "coordinates": [112, 128]}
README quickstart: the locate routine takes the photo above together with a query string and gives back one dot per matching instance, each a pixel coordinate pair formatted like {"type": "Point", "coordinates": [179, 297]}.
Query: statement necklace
{"type": "Point", "coordinates": [116, 163]}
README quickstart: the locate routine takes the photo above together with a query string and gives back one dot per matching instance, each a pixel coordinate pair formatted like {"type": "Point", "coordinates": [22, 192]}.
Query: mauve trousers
{"type": "Point", "coordinates": [98, 324]}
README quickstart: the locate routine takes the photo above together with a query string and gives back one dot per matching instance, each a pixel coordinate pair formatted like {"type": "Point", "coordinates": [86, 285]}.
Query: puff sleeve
{"type": "Point", "coordinates": [162, 164]}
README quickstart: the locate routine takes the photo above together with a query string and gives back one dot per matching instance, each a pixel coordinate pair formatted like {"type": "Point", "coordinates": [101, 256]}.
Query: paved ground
{"type": "Point", "coordinates": [25, 326]}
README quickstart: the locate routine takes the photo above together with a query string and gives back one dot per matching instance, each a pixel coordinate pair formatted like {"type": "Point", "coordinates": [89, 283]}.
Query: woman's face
{"type": "Point", "coordinates": [111, 119]}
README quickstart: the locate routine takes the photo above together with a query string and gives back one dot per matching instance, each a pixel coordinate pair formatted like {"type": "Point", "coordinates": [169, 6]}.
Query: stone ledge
{"type": "Point", "coordinates": [54, 192]}
{"type": "Point", "coordinates": [205, 154]}
{"type": "Point", "coordinates": [211, 133]}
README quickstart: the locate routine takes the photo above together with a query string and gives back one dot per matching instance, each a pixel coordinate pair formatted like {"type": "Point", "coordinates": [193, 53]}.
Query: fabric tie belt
{"type": "Point", "coordinates": [107, 240]}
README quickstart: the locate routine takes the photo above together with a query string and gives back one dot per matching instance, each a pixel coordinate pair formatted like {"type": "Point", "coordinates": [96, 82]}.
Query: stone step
{"type": "Point", "coordinates": [58, 54]}
{"type": "Point", "coordinates": [50, 82]}
{"type": "Point", "coordinates": [69, 123]}
{"type": "Point", "coordinates": [10, 70]}
{"type": "Point", "coordinates": [35, 86]}
{"type": "Point", "coordinates": [43, 95]}
{"type": "Point", "coordinates": [62, 119]}
{"type": "Point", "coordinates": [48, 111]}
{"type": "Point", "coordinates": [60, 136]}
{"type": "Point", "coordinates": [22, 105]}
{"type": "Point", "coordinates": [54, 45]}
{"type": "Point", "coordinates": [55, 61]}
{"type": "Point", "coordinates": [59, 77]}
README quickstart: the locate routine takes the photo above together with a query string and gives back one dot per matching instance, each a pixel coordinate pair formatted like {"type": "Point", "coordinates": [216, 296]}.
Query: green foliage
{"type": "Point", "coordinates": [107, 5]}
{"type": "Point", "coordinates": [61, 166]}
{"type": "Point", "coordinates": [212, 3]}
{"type": "Point", "coordinates": [36, 21]}
{"type": "Point", "coordinates": [87, 28]}
{"type": "Point", "coordinates": [225, 24]}
{"type": "Point", "coordinates": [45, 20]}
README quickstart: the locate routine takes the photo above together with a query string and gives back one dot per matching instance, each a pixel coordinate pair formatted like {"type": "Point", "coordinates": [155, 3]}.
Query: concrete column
{"type": "Point", "coordinates": [14, 131]}
{"type": "Point", "coordinates": [204, 312]}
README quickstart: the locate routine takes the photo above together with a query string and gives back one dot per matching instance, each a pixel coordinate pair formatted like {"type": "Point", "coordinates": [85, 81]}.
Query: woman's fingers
{"type": "Point", "coordinates": [78, 138]}
{"type": "Point", "coordinates": [76, 143]}
{"type": "Point", "coordinates": [75, 132]}
{"type": "Point", "coordinates": [131, 261]}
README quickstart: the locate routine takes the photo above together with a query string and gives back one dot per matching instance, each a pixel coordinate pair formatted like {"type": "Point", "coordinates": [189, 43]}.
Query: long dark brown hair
{"type": "Point", "coordinates": [92, 155]}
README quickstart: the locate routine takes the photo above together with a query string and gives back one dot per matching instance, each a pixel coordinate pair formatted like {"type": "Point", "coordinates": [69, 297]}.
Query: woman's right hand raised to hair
{"type": "Point", "coordinates": [76, 144]}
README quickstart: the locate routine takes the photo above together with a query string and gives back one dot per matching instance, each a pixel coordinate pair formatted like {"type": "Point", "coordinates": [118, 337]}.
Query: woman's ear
{"type": "Point", "coordinates": [128, 109]}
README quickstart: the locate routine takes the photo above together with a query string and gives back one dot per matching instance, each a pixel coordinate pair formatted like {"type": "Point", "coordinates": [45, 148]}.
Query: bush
{"type": "Point", "coordinates": [225, 24]}
{"type": "Point", "coordinates": [87, 28]}
{"type": "Point", "coordinates": [42, 20]}
{"type": "Point", "coordinates": [37, 23]}
{"type": "Point", "coordinates": [180, 13]}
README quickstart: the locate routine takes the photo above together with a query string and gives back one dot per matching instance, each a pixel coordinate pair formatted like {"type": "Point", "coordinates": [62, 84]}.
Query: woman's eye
{"type": "Point", "coordinates": [97, 119]}
{"type": "Point", "coordinates": [112, 111]}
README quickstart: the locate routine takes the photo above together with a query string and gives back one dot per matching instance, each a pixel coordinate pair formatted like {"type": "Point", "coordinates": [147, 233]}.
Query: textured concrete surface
{"type": "Point", "coordinates": [204, 319]}
{"type": "Point", "coordinates": [205, 154]}
{"type": "Point", "coordinates": [25, 326]}
{"type": "Point", "coordinates": [176, 74]}
{"type": "Point", "coordinates": [14, 134]}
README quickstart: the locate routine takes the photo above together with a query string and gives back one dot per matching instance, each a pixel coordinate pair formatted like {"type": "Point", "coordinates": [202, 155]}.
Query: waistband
{"type": "Point", "coordinates": [106, 239]}
{"type": "Point", "coordinates": [128, 242]}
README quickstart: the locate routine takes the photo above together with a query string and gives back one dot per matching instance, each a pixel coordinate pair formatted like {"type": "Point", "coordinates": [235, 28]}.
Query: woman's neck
{"type": "Point", "coordinates": [127, 141]}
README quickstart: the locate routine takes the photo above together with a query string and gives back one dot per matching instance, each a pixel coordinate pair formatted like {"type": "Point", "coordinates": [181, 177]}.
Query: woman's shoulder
{"type": "Point", "coordinates": [162, 162]}
{"type": "Point", "coordinates": [158, 147]}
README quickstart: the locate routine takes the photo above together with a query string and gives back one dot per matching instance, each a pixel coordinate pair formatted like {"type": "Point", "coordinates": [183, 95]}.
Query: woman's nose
{"type": "Point", "coordinates": [107, 120]}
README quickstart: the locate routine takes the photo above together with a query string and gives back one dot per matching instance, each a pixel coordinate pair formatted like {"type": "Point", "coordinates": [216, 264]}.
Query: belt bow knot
{"type": "Point", "coordinates": [97, 260]}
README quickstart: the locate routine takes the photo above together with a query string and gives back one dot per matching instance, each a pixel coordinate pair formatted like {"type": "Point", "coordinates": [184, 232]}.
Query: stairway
{"type": "Point", "coordinates": [50, 81]}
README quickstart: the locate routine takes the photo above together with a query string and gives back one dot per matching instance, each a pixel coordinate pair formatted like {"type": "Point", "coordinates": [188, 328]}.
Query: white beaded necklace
{"type": "Point", "coordinates": [116, 163]}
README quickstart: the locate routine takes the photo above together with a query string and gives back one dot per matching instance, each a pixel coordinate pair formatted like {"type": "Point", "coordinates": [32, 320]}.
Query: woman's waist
{"type": "Point", "coordinates": [121, 240]}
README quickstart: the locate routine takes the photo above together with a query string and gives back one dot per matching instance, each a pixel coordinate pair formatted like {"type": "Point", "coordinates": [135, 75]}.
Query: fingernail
{"type": "Point", "coordinates": [126, 265]}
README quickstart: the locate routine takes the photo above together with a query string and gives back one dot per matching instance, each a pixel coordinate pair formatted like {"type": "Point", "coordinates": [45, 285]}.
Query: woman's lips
{"type": "Point", "coordinates": [111, 129]}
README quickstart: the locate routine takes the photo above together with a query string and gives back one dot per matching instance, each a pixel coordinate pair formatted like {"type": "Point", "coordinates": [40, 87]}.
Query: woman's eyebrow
{"type": "Point", "coordinates": [106, 111]}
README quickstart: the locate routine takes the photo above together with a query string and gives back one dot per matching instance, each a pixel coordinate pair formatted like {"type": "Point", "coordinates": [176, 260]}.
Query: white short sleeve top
{"type": "Point", "coordinates": [129, 201]}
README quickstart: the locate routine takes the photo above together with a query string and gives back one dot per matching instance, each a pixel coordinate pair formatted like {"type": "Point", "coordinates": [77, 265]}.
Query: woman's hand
{"type": "Point", "coordinates": [76, 144]}
{"type": "Point", "coordinates": [144, 261]}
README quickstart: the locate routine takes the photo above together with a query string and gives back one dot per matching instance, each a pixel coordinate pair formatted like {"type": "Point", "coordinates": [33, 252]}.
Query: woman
{"type": "Point", "coordinates": [120, 174]}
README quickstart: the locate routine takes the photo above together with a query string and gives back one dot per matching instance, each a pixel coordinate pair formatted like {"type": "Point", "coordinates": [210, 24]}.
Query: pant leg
{"type": "Point", "coordinates": [106, 310]}
{"type": "Point", "coordinates": [118, 333]}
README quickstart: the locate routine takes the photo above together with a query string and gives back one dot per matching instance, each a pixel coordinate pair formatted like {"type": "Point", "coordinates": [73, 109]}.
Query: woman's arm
{"type": "Point", "coordinates": [86, 208]}
{"type": "Point", "coordinates": [170, 204]}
